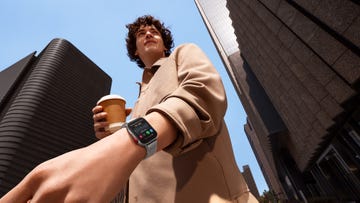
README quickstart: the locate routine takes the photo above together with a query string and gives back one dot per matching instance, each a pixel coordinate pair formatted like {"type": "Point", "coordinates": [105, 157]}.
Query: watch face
{"type": "Point", "coordinates": [142, 130]}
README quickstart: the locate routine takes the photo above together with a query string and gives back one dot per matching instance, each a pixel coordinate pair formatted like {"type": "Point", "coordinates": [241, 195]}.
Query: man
{"type": "Point", "coordinates": [189, 158]}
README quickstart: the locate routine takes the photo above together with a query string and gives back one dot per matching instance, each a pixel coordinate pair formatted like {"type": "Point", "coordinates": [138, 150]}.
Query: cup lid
{"type": "Point", "coordinates": [110, 96]}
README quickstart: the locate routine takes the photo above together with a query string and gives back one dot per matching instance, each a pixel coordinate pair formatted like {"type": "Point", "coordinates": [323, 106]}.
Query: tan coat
{"type": "Point", "coordinates": [199, 166]}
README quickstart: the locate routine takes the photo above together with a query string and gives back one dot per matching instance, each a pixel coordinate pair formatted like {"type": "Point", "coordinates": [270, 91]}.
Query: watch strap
{"type": "Point", "coordinates": [151, 148]}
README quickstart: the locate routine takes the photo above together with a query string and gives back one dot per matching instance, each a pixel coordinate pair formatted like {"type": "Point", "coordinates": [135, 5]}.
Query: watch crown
{"type": "Point", "coordinates": [135, 140]}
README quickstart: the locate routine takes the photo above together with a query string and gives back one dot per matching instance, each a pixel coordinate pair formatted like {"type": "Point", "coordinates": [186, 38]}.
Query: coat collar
{"type": "Point", "coordinates": [149, 72]}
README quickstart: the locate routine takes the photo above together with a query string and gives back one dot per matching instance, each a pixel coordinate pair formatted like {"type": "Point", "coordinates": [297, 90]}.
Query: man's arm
{"type": "Point", "coordinates": [197, 106]}
{"type": "Point", "coordinates": [91, 174]}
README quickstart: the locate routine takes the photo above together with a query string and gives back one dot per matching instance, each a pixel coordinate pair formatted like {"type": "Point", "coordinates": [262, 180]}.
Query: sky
{"type": "Point", "coordinates": [97, 29]}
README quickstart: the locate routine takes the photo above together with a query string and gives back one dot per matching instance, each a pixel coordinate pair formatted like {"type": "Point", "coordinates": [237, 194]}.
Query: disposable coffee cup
{"type": "Point", "coordinates": [114, 106]}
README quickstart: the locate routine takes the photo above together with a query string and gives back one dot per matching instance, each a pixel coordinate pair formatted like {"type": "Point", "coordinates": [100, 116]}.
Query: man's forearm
{"type": "Point", "coordinates": [165, 129]}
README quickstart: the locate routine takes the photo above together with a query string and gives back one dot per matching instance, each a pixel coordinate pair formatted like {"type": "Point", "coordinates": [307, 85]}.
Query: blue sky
{"type": "Point", "coordinates": [97, 28]}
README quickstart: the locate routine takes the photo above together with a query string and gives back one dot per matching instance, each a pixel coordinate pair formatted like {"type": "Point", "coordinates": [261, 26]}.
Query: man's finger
{"type": "Point", "coordinates": [20, 193]}
{"type": "Point", "coordinates": [97, 109]}
{"type": "Point", "coordinates": [128, 111]}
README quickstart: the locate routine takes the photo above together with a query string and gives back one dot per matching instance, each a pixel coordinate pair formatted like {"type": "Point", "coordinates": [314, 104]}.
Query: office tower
{"type": "Point", "coordinates": [45, 108]}
{"type": "Point", "coordinates": [216, 18]}
{"type": "Point", "coordinates": [250, 181]}
{"type": "Point", "coordinates": [299, 84]}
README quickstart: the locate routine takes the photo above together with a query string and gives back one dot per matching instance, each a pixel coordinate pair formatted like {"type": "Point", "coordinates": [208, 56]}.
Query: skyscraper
{"type": "Point", "coordinates": [216, 17]}
{"type": "Point", "coordinates": [45, 108]}
{"type": "Point", "coordinates": [297, 73]}
{"type": "Point", "coordinates": [249, 178]}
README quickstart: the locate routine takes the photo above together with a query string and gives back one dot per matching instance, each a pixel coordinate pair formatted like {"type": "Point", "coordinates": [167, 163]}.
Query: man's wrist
{"type": "Point", "coordinates": [138, 151]}
{"type": "Point", "coordinates": [125, 147]}
{"type": "Point", "coordinates": [143, 134]}
{"type": "Point", "coordinates": [166, 131]}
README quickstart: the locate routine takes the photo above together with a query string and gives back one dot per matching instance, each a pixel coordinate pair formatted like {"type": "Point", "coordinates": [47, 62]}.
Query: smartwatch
{"type": "Point", "coordinates": [143, 134]}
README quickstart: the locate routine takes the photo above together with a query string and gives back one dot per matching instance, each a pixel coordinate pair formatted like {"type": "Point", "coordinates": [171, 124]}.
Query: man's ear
{"type": "Point", "coordinates": [136, 53]}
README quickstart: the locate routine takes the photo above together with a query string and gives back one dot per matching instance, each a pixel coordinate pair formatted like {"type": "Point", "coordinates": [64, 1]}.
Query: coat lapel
{"type": "Point", "coordinates": [162, 83]}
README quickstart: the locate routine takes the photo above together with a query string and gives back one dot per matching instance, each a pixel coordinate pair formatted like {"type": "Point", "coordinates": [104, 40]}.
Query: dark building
{"type": "Point", "coordinates": [45, 108]}
{"type": "Point", "coordinates": [249, 178]}
{"type": "Point", "coordinates": [297, 74]}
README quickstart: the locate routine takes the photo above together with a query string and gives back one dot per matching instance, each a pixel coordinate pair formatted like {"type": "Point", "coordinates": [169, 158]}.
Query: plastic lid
{"type": "Point", "coordinates": [111, 96]}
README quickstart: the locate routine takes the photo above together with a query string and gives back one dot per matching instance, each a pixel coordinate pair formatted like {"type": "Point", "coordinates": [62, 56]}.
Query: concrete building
{"type": "Point", "coordinates": [249, 178]}
{"type": "Point", "coordinates": [297, 75]}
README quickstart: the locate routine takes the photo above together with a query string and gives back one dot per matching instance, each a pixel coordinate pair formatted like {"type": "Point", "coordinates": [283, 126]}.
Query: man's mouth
{"type": "Point", "coordinates": [149, 41]}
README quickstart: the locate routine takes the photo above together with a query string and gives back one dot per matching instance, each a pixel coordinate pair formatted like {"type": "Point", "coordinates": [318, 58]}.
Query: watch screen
{"type": "Point", "coordinates": [142, 130]}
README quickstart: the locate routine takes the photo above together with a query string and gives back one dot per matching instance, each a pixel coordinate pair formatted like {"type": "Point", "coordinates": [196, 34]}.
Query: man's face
{"type": "Point", "coordinates": [149, 42]}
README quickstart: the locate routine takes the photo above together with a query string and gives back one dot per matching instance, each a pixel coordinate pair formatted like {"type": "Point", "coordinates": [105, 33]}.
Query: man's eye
{"type": "Point", "coordinates": [141, 33]}
{"type": "Point", "coordinates": [155, 32]}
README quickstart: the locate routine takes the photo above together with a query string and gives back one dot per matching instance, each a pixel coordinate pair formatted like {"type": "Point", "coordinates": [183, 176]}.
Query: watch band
{"type": "Point", "coordinates": [151, 148]}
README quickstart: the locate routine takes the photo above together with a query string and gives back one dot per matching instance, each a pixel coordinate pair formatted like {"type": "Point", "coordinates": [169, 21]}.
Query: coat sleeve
{"type": "Point", "coordinates": [198, 105]}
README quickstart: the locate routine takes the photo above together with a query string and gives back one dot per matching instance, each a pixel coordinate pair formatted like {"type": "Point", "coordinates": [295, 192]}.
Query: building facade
{"type": "Point", "coordinates": [45, 108]}
{"type": "Point", "coordinates": [297, 74]}
{"type": "Point", "coordinates": [249, 178]}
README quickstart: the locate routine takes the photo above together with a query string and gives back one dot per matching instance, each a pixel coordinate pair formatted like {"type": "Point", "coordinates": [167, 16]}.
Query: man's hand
{"type": "Point", "coordinates": [100, 122]}
{"type": "Point", "coordinates": [92, 174]}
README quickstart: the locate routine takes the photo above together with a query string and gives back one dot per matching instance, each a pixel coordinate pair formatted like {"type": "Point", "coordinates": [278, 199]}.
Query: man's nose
{"type": "Point", "coordinates": [148, 34]}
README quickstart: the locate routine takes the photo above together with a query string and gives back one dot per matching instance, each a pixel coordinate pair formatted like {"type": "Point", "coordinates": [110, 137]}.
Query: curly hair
{"type": "Point", "coordinates": [135, 26]}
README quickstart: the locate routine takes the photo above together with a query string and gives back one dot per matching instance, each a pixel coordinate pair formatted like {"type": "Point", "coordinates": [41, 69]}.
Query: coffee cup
{"type": "Point", "coordinates": [114, 106]}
